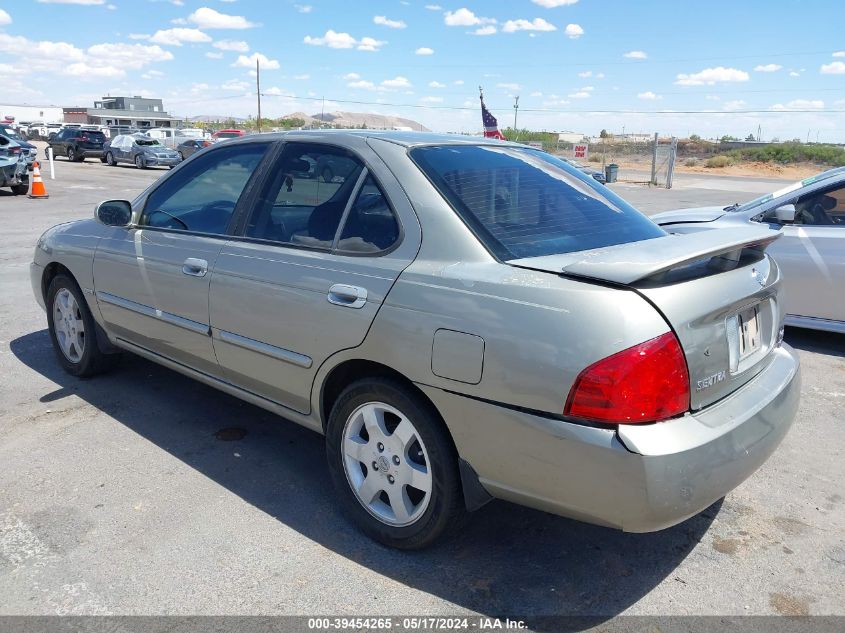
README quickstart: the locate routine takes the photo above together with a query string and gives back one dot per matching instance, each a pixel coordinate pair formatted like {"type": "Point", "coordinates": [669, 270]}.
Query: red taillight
{"type": "Point", "coordinates": [645, 383]}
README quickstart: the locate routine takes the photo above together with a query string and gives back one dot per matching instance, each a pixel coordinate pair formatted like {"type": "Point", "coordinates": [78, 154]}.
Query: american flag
{"type": "Point", "coordinates": [491, 125]}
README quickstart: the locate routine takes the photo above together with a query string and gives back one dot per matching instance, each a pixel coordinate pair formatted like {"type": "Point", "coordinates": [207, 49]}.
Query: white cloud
{"type": "Point", "coordinates": [484, 30]}
{"type": "Point", "coordinates": [767, 68]}
{"type": "Point", "coordinates": [362, 84]}
{"type": "Point", "coordinates": [232, 45]}
{"type": "Point", "coordinates": [792, 73]}
{"type": "Point", "coordinates": [150, 74]}
{"type": "Point", "coordinates": [431, 100]}
{"type": "Point", "coordinates": [509, 86]}
{"type": "Point", "coordinates": [351, 76]}
{"type": "Point", "coordinates": [370, 44]}
{"type": "Point", "coordinates": [303, 8]}
{"type": "Point", "coordinates": [392, 24]}
{"type": "Point", "coordinates": [536, 93]}
{"type": "Point", "coordinates": [206, 18]}
{"type": "Point", "coordinates": [458, 82]}
{"type": "Point", "coordinates": [465, 17]}
{"type": "Point", "coordinates": [248, 61]}
{"type": "Point", "coordinates": [710, 76]}
{"type": "Point", "coordinates": [433, 7]}
{"type": "Point", "coordinates": [139, 36]}
{"type": "Point", "coordinates": [333, 39]}
{"type": "Point", "coordinates": [424, 50]}
{"type": "Point", "coordinates": [175, 37]}
{"type": "Point", "coordinates": [713, 97]}
{"type": "Point", "coordinates": [128, 56]}
{"type": "Point", "coordinates": [833, 68]}
{"type": "Point", "coordinates": [5, 18]}
{"type": "Point", "coordinates": [537, 24]}
{"type": "Point", "coordinates": [235, 85]}
{"type": "Point", "coordinates": [736, 104]}
{"type": "Point", "coordinates": [636, 55]}
{"type": "Point", "coordinates": [436, 84]}
{"type": "Point", "coordinates": [839, 54]}
{"type": "Point", "coordinates": [573, 31]}
{"type": "Point", "coordinates": [582, 94]}
{"type": "Point", "coordinates": [396, 82]}
{"type": "Point", "coordinates": [586, 73]}
{"type": "Point", "coordinates": [648, 96]}
{"type": "Point", "coordinates": [599, 75]}
{"type": "Point", "coordinates": [214, 55]}
{"type": "Point", "coordinates": [551, 4]}
{"type": "Point", "coordinates": [800, 104]}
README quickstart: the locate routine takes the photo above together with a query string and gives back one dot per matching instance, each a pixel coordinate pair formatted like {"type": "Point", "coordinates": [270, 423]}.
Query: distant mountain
{"type": "Point", "coordinates": [358, 119]}
{"type": "Point", "coordinates": [213, 118]}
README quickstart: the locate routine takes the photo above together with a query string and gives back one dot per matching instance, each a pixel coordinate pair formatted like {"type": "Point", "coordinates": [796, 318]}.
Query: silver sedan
{"type": "Point", "coordinates": [811, 253]}
{"type": "Point", "coordinates": [463, 320]}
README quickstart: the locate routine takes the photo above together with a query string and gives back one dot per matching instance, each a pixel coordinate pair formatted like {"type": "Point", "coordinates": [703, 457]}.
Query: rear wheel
{"type": "Point", "coordinates": [393, 465]}
{"type": "Point", "coordinates": [110, 159]}
{"type": "Point", "coordinates": [71, 154]}
{"type": "Point", "coordinates": [73, 330]}
{"type": "Point", "coordinates": [139, 162]}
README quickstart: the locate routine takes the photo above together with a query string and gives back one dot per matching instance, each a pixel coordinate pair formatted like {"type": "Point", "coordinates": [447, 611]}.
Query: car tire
{"type": "Point", "coordinates": [20, 190]}
{"type": "Point", "coordinates": [73, 330]}
{"type": "Point", "coordinates": [426, 457]}
{"type": "Point", "coordinates": [139, 162]}
{"type": "Point", "coordinates": [327, 174]}
{"type": "Point", "coordinates": [71, 155]}
{"type": "Point", "coordinates": [181, 155]}
{"type": "Point", "coordinates": [110, 159]}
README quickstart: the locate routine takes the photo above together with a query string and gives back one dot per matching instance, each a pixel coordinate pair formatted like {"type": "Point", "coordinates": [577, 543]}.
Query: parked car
{"type": "Point", "coordinates": [29, 150]}
{"type": "Point", "coordinates": [593, 173]}
{"type": "Point", "coordinates": [140, 150]}
{"type": "Point", "coordinates": [77, 144]}
{"type": "Point", "coordinates": [811, 253]}
{"type": "Point", "coordinates": [13, 166]}
{"type": "Point", "coordinates": [116, 130]}
{"type": "Point", "coordinates": [190, 146]}
{"type": "Point", "coordinates": [462, 318]}
{"type": "Point", "coordinates": [222, 135]}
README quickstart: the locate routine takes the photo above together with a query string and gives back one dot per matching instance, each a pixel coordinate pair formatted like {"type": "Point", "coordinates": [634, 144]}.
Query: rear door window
{"type": "Point", "coordinates": [525, 203]}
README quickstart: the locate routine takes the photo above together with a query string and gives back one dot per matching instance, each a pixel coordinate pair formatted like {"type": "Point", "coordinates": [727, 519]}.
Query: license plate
{"type": "Point", "coordinates": [749, 332]}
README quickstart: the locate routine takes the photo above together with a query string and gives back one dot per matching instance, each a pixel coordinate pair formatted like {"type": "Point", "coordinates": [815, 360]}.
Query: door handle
{"type": "Point", "coordinates": [347, 296]}
{"type": "Point", "coordinates": [195, 267]}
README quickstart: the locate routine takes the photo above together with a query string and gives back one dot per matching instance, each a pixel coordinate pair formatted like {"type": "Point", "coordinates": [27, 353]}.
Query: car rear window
{"type": "Point", "coordinates": [228, 135]}
{"type": "Point", "coordinates": [94, 135]}
{"type": "Point", "coordinates": [526, 203]}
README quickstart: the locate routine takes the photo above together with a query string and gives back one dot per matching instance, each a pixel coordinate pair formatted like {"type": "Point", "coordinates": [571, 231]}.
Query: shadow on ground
{"type": "Point", "coordinates": [508, 560]}
{"type": "Point", "coordinates": [815, 341]}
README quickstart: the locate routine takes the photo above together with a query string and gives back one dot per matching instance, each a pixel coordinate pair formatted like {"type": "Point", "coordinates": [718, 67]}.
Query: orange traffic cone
{"type": "Point", "coordinates": [36, 184]}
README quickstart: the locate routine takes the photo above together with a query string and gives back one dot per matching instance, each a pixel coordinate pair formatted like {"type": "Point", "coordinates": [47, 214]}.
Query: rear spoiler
{"type": "Point", "coordinates": [628, 263]}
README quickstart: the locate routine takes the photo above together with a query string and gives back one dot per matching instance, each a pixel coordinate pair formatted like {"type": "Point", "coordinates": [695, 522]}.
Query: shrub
{"type": "Point", "coordinates": [718, 162]}
{"type": "Point", "coordinates": [690, 162]}
{"type": "Point", "coordinates": [594, 158]}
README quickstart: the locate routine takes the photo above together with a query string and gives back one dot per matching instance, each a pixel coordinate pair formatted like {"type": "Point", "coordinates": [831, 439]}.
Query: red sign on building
{"type": "Point", "coordinates": [581, 151]}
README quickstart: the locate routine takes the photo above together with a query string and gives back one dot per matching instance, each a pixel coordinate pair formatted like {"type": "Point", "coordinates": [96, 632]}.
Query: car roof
{"type": "Point", "coordinates": [406, 139]}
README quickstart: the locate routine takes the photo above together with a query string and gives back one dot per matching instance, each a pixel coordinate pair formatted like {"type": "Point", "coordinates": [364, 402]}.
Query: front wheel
{"type": "Point", "coordinates": [139, 162]}
{"type": "Point", "coordinates": [71, 155]}
{"type": "Point", "coordinates": [393, 464]}
{"type": "Point", "coordinates": [72, 330]}
{"type": "Point", "coordinates": [110, 159]}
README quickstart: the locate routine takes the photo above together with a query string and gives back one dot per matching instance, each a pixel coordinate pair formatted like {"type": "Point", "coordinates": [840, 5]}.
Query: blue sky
{"type": "Point", "coordinates": [676, 67]}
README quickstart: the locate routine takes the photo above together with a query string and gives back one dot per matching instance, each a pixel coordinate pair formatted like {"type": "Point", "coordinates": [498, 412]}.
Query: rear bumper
{"type": "Point", "coordinates": [639, 478]}
{"type": "Point", "coordinates": [90, 153]}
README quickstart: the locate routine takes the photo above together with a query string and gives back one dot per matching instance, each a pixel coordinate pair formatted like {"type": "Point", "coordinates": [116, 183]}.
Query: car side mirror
{"type": "Point", "coordinates": [785, 213]}
{"type": "Point", "coordinates": [114, 212]}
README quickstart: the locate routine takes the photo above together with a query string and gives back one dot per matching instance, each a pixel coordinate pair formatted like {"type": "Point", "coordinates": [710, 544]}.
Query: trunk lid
{"type": "Point", "coordinates": [716, 289]}
{"type": "Point", "coordinates": [693, 215]}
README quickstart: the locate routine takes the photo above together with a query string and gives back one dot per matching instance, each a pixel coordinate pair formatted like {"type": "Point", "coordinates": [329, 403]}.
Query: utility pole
{"type": "Point", "coordinates": [515, 110]}
{"type": "Point", "coordinates": [258, 91]}
{"type": "Point", "coordinates": [322, 111]}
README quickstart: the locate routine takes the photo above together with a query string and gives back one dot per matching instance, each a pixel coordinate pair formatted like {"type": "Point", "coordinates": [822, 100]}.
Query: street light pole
{"type": "Point", "coordinates": [515, 110]}
{"type": "Point", "coordinates": [258, 91]}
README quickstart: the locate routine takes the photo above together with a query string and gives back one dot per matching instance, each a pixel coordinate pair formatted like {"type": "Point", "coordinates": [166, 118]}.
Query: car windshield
{"type": "Point", "coordinates": [795, 186]}
{"type": "Point", "coordinates": [525, 203]}
{"type": "Point", "coordinates": [146, 142]}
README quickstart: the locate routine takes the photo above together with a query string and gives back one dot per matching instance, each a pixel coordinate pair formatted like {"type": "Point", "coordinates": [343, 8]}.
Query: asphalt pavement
{"type": "Point", "coordinates": [144, 492]}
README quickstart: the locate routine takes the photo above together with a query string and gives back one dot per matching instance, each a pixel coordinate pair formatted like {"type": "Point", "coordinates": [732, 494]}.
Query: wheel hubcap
{"type": "Point", "coordinates": [386, 464]}
{"type": "Point", "coordinates": [68, 325]}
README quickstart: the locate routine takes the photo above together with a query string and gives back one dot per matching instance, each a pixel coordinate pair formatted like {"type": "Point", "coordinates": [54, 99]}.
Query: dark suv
{"type": "Point", "coordinates": [78, 144]}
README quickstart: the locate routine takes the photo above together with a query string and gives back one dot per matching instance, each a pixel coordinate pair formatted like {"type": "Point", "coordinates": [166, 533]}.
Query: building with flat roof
{"type": "Point", "coordinates": [139, 112]}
